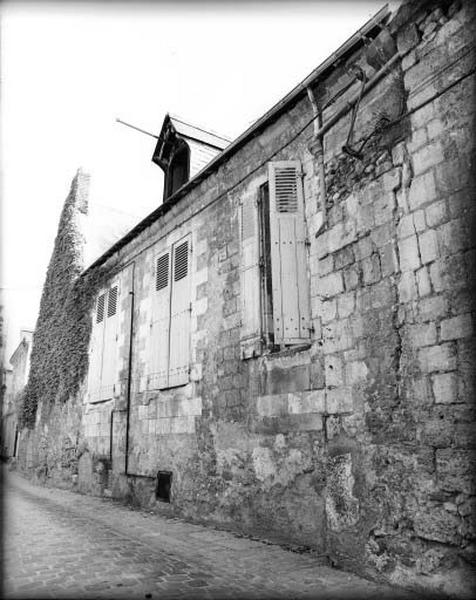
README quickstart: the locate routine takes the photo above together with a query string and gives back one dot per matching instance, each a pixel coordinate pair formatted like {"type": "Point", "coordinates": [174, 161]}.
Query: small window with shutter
{"type": "Point", "coordinates": [274, 281]}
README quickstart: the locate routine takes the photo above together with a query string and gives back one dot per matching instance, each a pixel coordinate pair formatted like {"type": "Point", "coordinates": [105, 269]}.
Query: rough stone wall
{"type": "Point", "coordinates": [359, 444]}
{"type": "Point", "coordinates": [394, 271]}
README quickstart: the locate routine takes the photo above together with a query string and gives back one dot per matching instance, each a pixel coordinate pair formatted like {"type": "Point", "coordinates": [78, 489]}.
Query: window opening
{"type": "Point", "coordinates": [266, 281]}
{"type": "Point", "coordinates": [164, 484]}
{"type": "Point", "coordinates": [178, 171]}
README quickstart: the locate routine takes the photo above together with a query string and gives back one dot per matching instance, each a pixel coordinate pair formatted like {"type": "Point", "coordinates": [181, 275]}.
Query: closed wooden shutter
{"type": "Point", "coordinates": [159, 330]}
{"type": "Point", "coordinates": [109, 377]}
{"type": "Point", "coordinates": [288, 254]}
{"type": "Point", "coordinates": [180, 309]}
{"type": "Point", "coordinates": [96, 350]}
{"type": "Point", "coordinates": [250, 277]}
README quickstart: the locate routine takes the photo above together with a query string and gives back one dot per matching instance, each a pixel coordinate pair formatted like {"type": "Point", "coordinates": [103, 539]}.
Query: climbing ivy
{"type": "Point", "coordinates": [59, 358]}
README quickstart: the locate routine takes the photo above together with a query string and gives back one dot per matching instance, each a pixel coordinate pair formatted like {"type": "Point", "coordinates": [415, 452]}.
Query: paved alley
{"type": "Point", "coordinates": [58, 544]}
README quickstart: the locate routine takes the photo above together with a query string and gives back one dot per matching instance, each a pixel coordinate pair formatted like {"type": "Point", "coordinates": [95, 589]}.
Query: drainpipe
{"type": "Point", "coordinates": [129, 372]}
{"type": "Point", "coordinates": [129, 382]}
{"type": "Point", "coordinates": [318, 151]}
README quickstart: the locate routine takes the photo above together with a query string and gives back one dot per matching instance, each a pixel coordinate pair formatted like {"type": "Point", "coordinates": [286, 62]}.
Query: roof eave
{"type": "Point", "coordinates": [271, 114]}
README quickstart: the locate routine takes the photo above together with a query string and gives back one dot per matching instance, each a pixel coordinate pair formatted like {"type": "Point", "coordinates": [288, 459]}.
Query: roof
{"type": "Point", "coordinates": [197, 133]}
{"type": "Point", "coordinates": [23, 345]}
{"type": "Point", "coordinates": [357, 39]}
{"type": "Point", "coordinates": [174, 128]}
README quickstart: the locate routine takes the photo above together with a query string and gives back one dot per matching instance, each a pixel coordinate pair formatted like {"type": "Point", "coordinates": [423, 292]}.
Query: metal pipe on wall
{"type": "Point", "coordinates": [318, 148]}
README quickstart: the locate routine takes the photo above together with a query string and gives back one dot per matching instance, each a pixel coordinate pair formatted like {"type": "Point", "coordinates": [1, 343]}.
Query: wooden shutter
{"type": "Point", "coordinates": [96, 350]}
{"type": "Point", "coordinates": [179, 356]}
{"type": "Point", "coordinates": [250, 277]}
{"type": "Point", "coordinates": [109, 377]}
{"type": "Point", "coordinates": [159, 329]}
{"type": "Point", "coordinates": [288, 253]}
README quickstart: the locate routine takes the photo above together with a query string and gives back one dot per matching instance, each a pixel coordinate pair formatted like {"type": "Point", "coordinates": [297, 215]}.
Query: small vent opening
{"type": "Point", "coordinates": [100, 308]}
{"type": "Point", "coordinates": [286, 190]}
{"type": "Point", "coordinates": [181, 261]}
{"type": "Point", "coordinates": [164, 483]}
{"type": "Point", "coordinates": [162, 273]}
{"type": "Point", "coordinates": [112, 302]}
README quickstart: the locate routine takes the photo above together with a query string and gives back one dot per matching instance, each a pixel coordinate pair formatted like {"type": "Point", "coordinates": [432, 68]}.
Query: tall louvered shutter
{"type": "Point", "coordinates": [250, 277]}
{"type": "Point", "coordinates": [179, 359]}
{"type": "Point", "coordinates": [96, 350]}
{"type": "Point", "coordinates": [288, 253]}
{"type": "Point", "coordinates": [159, 328]}
{"type": "Point", "coordinates": [109, 378]}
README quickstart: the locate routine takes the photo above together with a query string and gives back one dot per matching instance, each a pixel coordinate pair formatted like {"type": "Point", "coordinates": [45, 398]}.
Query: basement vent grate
{"type": "Point", "coordinates": [164, 483]}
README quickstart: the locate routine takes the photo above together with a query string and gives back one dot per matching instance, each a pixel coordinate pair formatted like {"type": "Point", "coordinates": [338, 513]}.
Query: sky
{"type": "Point", "coordinates": [69, 70]}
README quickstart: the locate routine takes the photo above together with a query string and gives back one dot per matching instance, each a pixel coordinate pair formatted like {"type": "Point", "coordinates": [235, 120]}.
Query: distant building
{"type": "Point", "coordinates": [15, 381]}
{"type": "Point", "coordinates": [286, 344]}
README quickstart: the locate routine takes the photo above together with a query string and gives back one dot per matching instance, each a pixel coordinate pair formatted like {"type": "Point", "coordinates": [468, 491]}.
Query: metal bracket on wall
{"type": "Point", "coordinates": [347, 147]}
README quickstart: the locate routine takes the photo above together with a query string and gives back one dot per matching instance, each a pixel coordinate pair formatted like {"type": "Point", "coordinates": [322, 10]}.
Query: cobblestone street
{"type": "Point", "coordinates": [64, 545]}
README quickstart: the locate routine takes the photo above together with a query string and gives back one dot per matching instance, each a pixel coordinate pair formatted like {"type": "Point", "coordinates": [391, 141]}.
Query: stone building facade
{"type": "Point", "coordinates": [20, 361]}
{"type": "Point", "coordinates": [285, 346]}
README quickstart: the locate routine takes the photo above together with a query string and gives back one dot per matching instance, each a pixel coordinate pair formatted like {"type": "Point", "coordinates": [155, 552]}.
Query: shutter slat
{"type": "Point", "coordinates": [112, 302]}
{"type": "Point", "coordinates": [162, 272]}
{"type": "Point", "coordinates": [100, 308]}
{"type": "Point", "coordinates": [181, 261]}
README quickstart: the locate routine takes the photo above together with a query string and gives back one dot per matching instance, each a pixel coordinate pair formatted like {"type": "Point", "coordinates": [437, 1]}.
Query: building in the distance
{"type": "Point", "coordinates": [285, 346]}
{"type": "Point", "coordinates": [16, 379]}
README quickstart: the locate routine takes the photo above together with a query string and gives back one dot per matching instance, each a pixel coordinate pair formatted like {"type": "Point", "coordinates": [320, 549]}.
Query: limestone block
{"type": "Point", "coordinates": [437, 358]}
{"type": "Point", "coordinates": [333, 371]}
{"type": "Point", "coordinates": [409, 254]}
{"type": "Point", "coordinates": [432, 308]}
{"type": "Point", "coordinates": [437, 524]}
{"type": "Point", "coordinates": [456, 327]}
{"type": "Point", "coordinates": [428, 246]}
{"type": "Point", "coordinates": [422, 335]}
{"type": "Point", "coordinates": [422, 190]}
{"type": "Point", "coordinates": [339, 400]}
{"type": "Point", "coordinates": [445, 388]}
{"type": "Point", "coordinates": [355, 372]}
{"type": "Point", "coordinates": [272, 405]}
{"type": "Point", "coordinates": [455, 470]}
{"type": "Point", "coordinates": [407, 289]}
{"type": "Point", "coordinates": [331, 285]}
{"type": "Point", "coordinates": [342, 508]}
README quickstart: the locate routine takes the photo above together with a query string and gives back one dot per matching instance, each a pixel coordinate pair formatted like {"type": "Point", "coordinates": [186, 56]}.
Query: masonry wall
{"type": "Point", "coordinates": [359, 444]}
